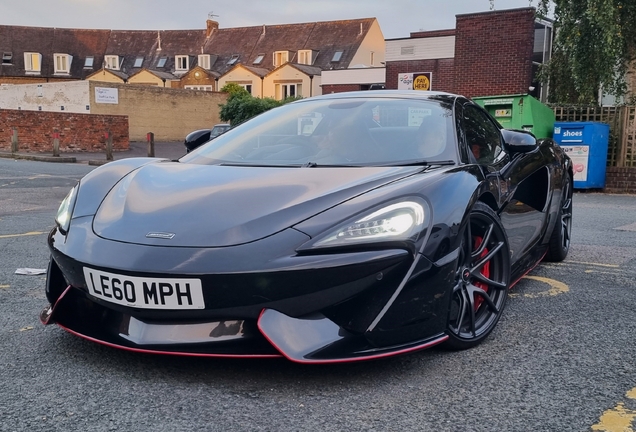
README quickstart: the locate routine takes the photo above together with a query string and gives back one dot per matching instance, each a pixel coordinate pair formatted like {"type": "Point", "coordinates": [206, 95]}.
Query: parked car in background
{"type": "Point", "coordinates": [198, 137]}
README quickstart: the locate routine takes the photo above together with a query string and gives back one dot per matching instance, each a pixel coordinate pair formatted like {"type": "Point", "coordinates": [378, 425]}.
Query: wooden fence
{"type": "Point", "coordinates": [622, 122]}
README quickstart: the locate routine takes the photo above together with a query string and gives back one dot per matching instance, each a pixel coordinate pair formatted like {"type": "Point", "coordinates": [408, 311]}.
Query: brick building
{"type": "Point", "coordinates": [487, 54]}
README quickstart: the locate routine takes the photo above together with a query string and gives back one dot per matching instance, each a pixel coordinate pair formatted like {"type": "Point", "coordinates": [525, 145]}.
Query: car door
{"type": "Point", "coordinates": [521, 180]}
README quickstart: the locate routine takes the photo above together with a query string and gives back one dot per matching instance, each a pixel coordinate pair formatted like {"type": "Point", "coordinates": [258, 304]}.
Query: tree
{"type": "Point", "coordinates": [594, 47]}
{"type": "Point", "coordinates": [242, 106]}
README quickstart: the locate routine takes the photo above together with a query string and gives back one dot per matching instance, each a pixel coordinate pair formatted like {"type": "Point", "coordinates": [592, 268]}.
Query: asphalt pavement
{"type": "Point", "coordinates": [169, 150]}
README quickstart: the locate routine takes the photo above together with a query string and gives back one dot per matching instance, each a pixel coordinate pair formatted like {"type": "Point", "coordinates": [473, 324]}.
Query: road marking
{"type": "Point", "coordinates": [594, 264]}
{"type": "Point", "coordinates": [5, 286]}
{"type": "Point", "coordinates": [32, 233]}
{"type": "Point", "coordinates": [556, 288]}
{"type": "Point", "coordinates": [619, 418]}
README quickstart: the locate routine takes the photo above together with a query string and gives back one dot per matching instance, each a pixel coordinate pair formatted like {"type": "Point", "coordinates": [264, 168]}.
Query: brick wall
{"type": "Point", "coordinates": [443, 75]}
{"type": "Point", "coordinates": [493, 52]}
{"type": "Point", "coordinates": [620, 180]}
{"type": "Point", "coordinates": [78, 132]}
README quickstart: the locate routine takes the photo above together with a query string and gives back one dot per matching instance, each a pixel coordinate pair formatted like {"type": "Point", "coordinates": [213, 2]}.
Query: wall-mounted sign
{"type": "Point", "coordinates": [415, 81]}
{"type": "Point", "coordinates": [106, 95]}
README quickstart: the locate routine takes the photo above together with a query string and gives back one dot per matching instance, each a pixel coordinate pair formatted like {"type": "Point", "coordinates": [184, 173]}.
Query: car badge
{"type": "Point", "coordinates": [161, 235]}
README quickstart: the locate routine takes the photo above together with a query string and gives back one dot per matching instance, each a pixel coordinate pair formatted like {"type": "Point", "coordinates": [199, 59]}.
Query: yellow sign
{"type": "Point", "coordinates": [421, 82]}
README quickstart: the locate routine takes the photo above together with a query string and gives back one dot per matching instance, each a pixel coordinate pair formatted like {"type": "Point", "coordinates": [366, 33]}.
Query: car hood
{"type": "Point", "coordinates": [188, 205]}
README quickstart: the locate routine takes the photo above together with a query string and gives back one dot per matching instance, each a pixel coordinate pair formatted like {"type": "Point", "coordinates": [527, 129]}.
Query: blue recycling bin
{"type": "Point", "coordinates": [586, 144]}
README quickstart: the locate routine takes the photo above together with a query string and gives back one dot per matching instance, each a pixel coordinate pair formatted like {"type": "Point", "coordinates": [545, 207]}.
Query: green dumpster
{"type": "Point", "coordinates": [520, 112]}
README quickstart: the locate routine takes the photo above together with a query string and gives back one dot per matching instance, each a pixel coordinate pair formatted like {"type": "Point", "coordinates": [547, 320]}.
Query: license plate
{"type": "Point", "coordinates": [143, 292]}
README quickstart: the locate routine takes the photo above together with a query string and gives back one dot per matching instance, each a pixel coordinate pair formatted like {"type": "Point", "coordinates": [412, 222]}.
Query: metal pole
{"type": "Point", "coordinates": [151, 144]}
{"type": "Point", "coordinates": [14, 141]}
{"type": "Point", "coordinates": [109, 146]}
{"type": "Point", "coordinates": [56, 144]}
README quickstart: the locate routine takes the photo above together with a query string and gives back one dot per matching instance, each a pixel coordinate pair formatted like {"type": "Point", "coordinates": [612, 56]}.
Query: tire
{"type": "Point", "coordinates": [482, 279]}
{"type": "Point", "coordinates": [559, 245]}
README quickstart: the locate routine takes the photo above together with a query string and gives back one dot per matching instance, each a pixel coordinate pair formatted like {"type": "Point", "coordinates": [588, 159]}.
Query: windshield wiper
{"type": "Point", "coordinates": [421, 162]}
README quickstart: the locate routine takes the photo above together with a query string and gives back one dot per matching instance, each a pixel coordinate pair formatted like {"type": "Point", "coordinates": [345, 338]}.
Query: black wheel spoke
{"type": "Point", "coordinates": [491, 253]}
{"type": "Point", "coordinates": [484, 242]}
{"type": "Point", "coordinates": [483, 294]}
{"type": "Point", "coordinates": [498, 285]}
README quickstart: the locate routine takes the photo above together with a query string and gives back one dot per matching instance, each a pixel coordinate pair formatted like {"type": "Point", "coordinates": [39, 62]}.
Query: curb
{"type": "Point", "coordinates": [61, 159]}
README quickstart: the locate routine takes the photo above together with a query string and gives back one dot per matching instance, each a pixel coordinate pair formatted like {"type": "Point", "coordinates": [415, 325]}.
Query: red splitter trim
{"type": "Point", "coordinates": [182, 354]}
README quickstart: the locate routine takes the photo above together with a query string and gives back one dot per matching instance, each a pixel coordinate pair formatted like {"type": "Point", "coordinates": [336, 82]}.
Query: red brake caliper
{"type": "Point", "coordinates": [485, 270]}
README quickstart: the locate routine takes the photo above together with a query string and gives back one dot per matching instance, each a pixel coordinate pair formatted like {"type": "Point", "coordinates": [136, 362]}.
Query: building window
{"type": "Point", "coordinates": [204, 61]}
{"type": "Point", "coordinates": [304, 57]}
{"type": "Point", "coordinates": [247, 87]}
{"type": "Point", "coordinates": [280, 58]}
{"type": "Point", "coordinates": [288, 90]}
{"type": "Point", "coordinates": [233, 59]}
{"type": "Point", "coordinates": [139, 61]}
{"type": "Point", "coordinates": [259, 59]}
{"type": "Point", "coordinates": [88, 63]}
{"type": "Point", "coordinates": [6, 58]}
{"type": "Point", "coordinates": [62, 63]}
{"type": "Point", "coordinates": [336, 56]}
{"type": "Point", "coordinates": [407, 50]}
{"type": "Point", "coordinates": [111, 62]}
{"type": "Point", "coordinates": [32, 62]}
{"type": "Point", "coordinates": [201, 87]}
{"type": "Point", "coordinates": [162, 62]}
{"type": "Point", "coordinates": [181, 63]}
{"type": "Point", "coordinates": [372, 58]}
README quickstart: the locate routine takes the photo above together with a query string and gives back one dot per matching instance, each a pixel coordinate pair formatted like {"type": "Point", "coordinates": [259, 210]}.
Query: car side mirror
{"type": "Point", "coordinates": [519, 141]}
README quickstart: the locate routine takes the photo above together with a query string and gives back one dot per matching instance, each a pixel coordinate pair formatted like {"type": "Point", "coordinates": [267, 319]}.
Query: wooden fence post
{"type": "Point", "coordinates": [151, 144]}
{"type": "Point", "coordinates": [109, 146]}
{"type": "Point", "coordinates": [14, 140]}
{"type": "Point", "coordinates": [56, 144]}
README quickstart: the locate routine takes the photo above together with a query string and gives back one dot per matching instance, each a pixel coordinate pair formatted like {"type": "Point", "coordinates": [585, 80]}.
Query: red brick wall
{"type": "Point", "coordinates": [443, 75]}
{"type": "Point", "coordinates": [620, 180]}
{"type": "Point", "coordinates": [339, 88]}
{"type": "Point", "coordinates": [78, 132]}
{"type": "Point", "coordinates": [493, 52]}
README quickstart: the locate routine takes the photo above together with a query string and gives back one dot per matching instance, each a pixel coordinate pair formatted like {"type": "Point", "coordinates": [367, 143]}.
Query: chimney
{"type": "Point", "coordinates": [211, 26]}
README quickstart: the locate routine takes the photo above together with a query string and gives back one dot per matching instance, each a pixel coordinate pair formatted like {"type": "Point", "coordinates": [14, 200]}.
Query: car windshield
{"type": "Point", "coordinates": [338, 132]}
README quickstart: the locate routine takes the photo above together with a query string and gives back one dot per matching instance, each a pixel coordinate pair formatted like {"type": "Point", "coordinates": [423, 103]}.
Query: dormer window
{"type": "Point", "coordinates": [6, 58]}
{"type": "Point", "coordinates": [139, 61]}
{"type": "Point", "coordinates": [259, 59]}
{"type": "Point", "coordinates": [304, 57]}
{"type": "Point", "coordinates": [181, 63]}
{"type": "Point", "coordinates": [280, 58]}
{"type": "Point", "coordinates": [111, 62]}
{"type": "Point", "coordinates": [32, 62]}
{"type": "Point", "coordinates": [62, 63]}
{"type": "Point", "coordinates": [204, 61]}
{"type": "Point", "coordinates": [162, 62]}
{"type": "Point", "coordinates": [233, 59]}
{"type": "Point", "coordinates": [88, 63]}
{"type": "Point", "coordinates": [336, 56]}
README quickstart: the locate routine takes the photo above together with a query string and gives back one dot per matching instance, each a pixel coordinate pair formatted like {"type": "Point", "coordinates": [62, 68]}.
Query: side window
{"type": "Point", "coordinates": [482, 136]}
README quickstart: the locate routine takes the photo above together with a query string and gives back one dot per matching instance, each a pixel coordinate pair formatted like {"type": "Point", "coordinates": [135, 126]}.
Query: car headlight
{"type": "Point", "coordinates": [64, 213]}
{"type": "Point", "coordinates": [394, 222]}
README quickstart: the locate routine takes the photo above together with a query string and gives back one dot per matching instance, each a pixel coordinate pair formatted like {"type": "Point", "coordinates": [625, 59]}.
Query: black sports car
{"type": "Point", "coordinates": [337, 228]}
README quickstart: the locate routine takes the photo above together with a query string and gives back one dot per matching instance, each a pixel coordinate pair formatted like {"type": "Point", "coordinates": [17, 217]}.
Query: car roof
{"type": "Point", "coordinates": [407, 94]}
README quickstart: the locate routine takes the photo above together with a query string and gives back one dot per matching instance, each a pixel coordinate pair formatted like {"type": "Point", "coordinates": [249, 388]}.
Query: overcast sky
{"type": "Point", "coordinates": [397, 18]}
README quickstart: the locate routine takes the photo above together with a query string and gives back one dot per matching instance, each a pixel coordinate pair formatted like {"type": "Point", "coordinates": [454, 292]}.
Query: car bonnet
{"type": "Point", "coordinates": [187, 205]}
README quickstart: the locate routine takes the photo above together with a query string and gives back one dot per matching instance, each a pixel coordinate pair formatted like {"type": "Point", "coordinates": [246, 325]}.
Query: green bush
{"type": "Point", "coordinates": [242, 106]}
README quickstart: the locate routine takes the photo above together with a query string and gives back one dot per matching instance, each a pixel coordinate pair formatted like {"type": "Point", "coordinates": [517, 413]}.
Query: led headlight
{"type": "Point", "coordinates": [397, 221]}
{"type": "Point", "coordinates": [64, 213]}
